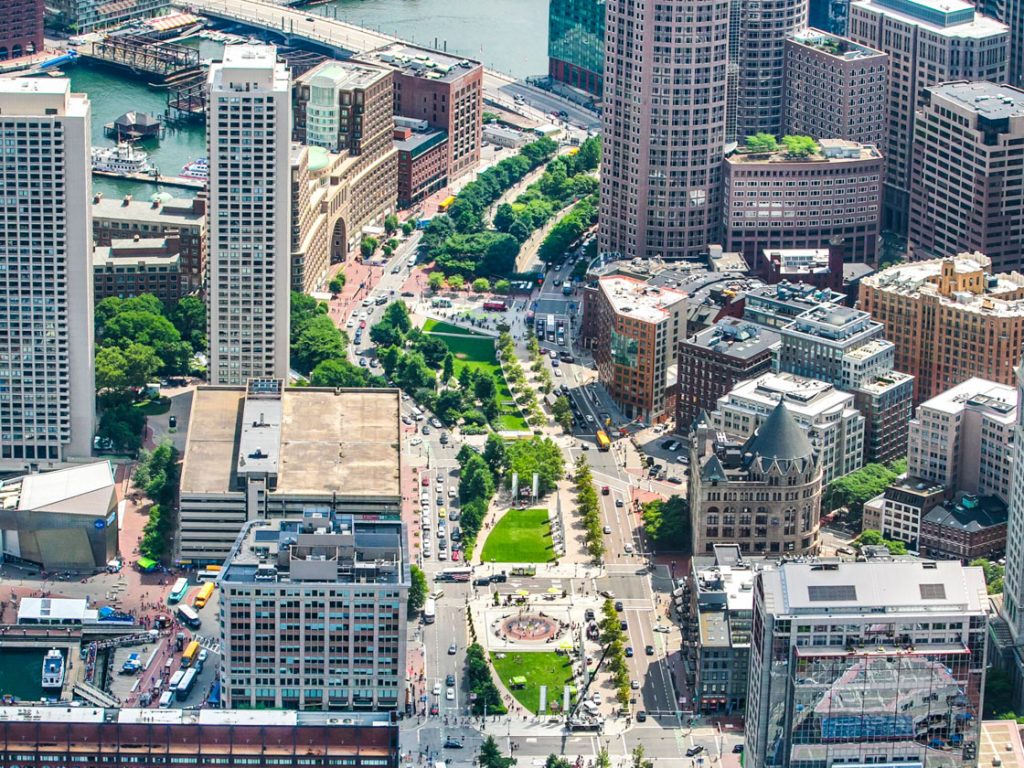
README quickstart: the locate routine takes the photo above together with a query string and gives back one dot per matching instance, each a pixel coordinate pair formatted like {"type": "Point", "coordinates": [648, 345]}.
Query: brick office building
{"type": "Point", "coordinates": [21, 28]}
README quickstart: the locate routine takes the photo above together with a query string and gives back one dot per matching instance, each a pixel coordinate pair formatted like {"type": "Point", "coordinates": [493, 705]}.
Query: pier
{"type": "Point", "coordinates": [155, 178]}
{"type": "Point", "coordinates": [143, 55]}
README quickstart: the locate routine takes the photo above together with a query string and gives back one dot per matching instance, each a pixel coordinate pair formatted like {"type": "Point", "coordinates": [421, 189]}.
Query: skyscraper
{"type": "Point", "coordinates": [576, 43]}
{"type": "Point", "coordinates": [46, 312]}
{"type": "Point", "coordinates": [664, 126]}
{"type": "Point", "coordinates": [250, 215]}
{"type": "Point", "coordinates": [760, 58]}
{"type": "Point", "coordinates": [1013, 582]}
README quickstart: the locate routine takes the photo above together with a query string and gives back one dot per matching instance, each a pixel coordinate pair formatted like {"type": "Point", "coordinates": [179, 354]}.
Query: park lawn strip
{"type": "Point", "coordinates": [440, 326]}
{"type": "Point", "coordinates": [521, 536]}
{"type": "Point", "coordinates": [539, 668]}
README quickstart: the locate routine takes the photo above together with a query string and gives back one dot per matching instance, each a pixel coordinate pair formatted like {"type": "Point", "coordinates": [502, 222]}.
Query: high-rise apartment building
{"type": "Point", "coordinates": [875, 662]}
{"type": "Point", "coordinates": [1013, 580]}
{"type": "Point", "coordinates": [250, 214]}
{"type": "Point", "coordinates": [762, 494]}
{"type": "Point", "coordinates": [576, 43]}
{"type": "Point", "coordinates": [928, 42]}
{"type": "Point", "coordinates": [966, 192]}
{"type": "Point", "coordinates": [1011, 13]}
{"type": "Point", "coordinates": [963, 438]}
{"type": "Point", "coordinates": [760, 55]}
{"type": "Point", "coordinates": [950, 319]}
{"type": "Point", "coordinates": [21, 28]}
{"type": "Point", "coordinates": [714, 360]}
{"type": "Point", "coordinates": [772, 200]}
{"type": "Point", "coordinates": [313, 613]}
{"type": "Point", "coordinates": [835, 88]}
{"type": "Point", "coordinates": [47, 410]}
{"type": "Point", "coordinates": [639, 327]}
{"type": "Point", "coordinates": [834, 427]}
{"type": "Point", "coordinates": [663, 127]}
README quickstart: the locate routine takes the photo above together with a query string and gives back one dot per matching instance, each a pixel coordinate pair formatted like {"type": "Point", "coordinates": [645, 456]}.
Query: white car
{"type": "Point", "coordinates": [628, 549]}
{"type": "Point", "coordinates": [634, 684]}
{"type": "Point", "coordinates": [416, 441]}
{"type": "Point", "coordinates": [451, 492]}
{"type": "Point", "coordinates": [450, 694]}
{"type": "Point", "coordinates": [662, 628]}
{"type": "Point", "coordinates": [596, 697]}
{"type": "Point", "coordinates": [437, 689]}
{"type": "Point", "coordinates": [351, 323]}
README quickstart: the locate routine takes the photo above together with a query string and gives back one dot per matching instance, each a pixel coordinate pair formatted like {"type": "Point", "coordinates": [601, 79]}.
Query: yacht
{"type": "Point", "coordinates": [197, 169]}
{"type": "Point", "coordinates": [53, 669]}
{"type": "Point", "coordinates": [122, 159]}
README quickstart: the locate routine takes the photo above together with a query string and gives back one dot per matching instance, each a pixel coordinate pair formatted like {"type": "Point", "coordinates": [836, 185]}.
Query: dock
{"type": "Point", "coordinates": [151, 178]}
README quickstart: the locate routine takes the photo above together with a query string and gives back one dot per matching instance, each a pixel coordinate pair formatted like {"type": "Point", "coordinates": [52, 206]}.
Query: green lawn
{"type": "Point", "coordinates": [476, 351]}
{"type": "Point", "coordinates": [154, 407]}
{"type": "Point", "coordinates": [539, 668]}
{"type": "Point", "coordinates": [521, 536]}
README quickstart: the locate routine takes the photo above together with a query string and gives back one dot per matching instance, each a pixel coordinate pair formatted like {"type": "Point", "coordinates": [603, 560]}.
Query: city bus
{"type": "Point", "coordinates": [185, 686]}
{"type": "Point", "coordinates": [189, 617]}
{"type": "Point", "coordinates": [445, 204]}
{"type": "Point", "coordinates": [429, 611]}
{"type": "Point", "coordinates": [603, 443]}
{"type": "Point", "coordinates": [495, 306]}
{"type": "Point", "coordinates": [178, 591]}
{"type": "Point", "coordinates": [204, 594]}
{"type": "Point", "coordinates": [455, 574]}
{"type": "Point", "coordinates": [190, 654]}
{"type": "Point", "coordinates": [175, 679]}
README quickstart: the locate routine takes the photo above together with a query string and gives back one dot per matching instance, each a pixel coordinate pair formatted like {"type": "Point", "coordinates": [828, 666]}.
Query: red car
{"type": "Point", "coordinates": [426, 481]}
{"type": "Point", "coordinates": [455, 555]}
{"type": "Point", "coordinates": [362, 323]}
{"type": "Point", "coordinates": [605, 490]}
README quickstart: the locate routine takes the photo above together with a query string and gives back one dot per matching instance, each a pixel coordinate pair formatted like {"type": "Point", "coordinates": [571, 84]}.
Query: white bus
{"type": "Point", "coordinates": [429, 611]}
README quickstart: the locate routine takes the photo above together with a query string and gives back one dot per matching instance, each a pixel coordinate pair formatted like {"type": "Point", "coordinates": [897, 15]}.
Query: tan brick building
{"type": "Point", "coordinates": [950, 319]}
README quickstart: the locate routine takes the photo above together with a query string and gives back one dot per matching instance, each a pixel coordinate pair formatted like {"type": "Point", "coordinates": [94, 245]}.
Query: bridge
{"type": "Point", "coordinates": [342, 40]}
{"type": "Point", "coordinates": [143, 55]}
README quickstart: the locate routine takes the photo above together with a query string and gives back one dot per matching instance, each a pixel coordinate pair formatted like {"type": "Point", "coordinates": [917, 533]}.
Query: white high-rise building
{"type": "Point", "coordinates": [47, 389]}
{"type": "Point", "coordinates": [1013, 581]}
{"type": "Point", "coordinates": [248, 131]}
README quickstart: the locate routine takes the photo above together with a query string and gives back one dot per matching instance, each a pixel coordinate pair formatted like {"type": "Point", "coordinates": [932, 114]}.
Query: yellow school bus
{"type": "Point", "coordinates": [603, 443]}
{"type": "Point", "coordinates": [445, 204]}
{"type": "Point", "coordinates": [204, 594]}
{"type": "Point", "coordinates": [189, 656]}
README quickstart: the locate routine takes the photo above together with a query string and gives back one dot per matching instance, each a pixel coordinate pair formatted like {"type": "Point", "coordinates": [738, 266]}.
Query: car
{"type": "Point", "coordinates": [408, 294]}
{"type": "Point", "coordinates": [425, 482]}
{"type": "Point", "coordinates": [605, 490]}
{"type": "Point", "coordinates": [440, 499]}
{"type": "Point", "coordinates": [498, 578]}
{"type": "Point", "coordinates": [455, 554]}
{"type": "Point", "coordinates": [310, 18]}
{"type": "Point", "coordinates": [396, 269]}
{"type": "Point", "coordinates": [456, 534]}
{"type": "Point", "coordinates": [608, 594]}
{"type": "Point", "coordinates": [596, 697]}
{"type": "Point", "coordinates": [607, 529]}
{"type": "Point", "coordinates": [634, 684]}
{"type": "Point", "coordinates": [456, 547]}
{"type": "Point", "coordinates": [589, 615]}
{"type": "Point", "coordinates": [590, 419]}
{"type": "Point", "coordinates": [649, 650]}
{"type": "Point", "coordinates": [453, 649]}
{"type": "Point", "coordinates": [416, 441]}
{"type": "Point", "coordinates": [434, 708]}
{"type": "Point", "coordinates": [407, 421]}
{"type": "Point", "coordinates": [554, 362]}
{"type": "Point", "coordinates": [451, 491]}
{"type": "Point", "coordinates": [453, 514]}
{"type": "Point", "coordinates": [683, 459]}
{"type": "Point", "coordinates": [172, 421]}
{"type": "Point", "coordinates": [435, 422]}
{"type": "Point", "coordinates": [362, 324]}
{"type": "Point", "coordinates": [558, 371]}
{"type": "Point", "coordinates": [663, 629]}
{"type": "Point", "coordinates": [203, 655]}
{"type": "Point", "coordinates": [554, 354]}
{"type": "Point", "coordinates": [628, 549]}
{"type": "Point", "coordinates": [452, 743]}
{"type": "Point", "coordinates": [426, 429]}
{"type": "Point", "coordinates": [620, 503]}
{"type": "Point", "coordinates": [557, 283]}
{"type": "Point", "coordinates": [444, 438]}
{"type": "Point", "coordinates": [737, 749]}
{"type": "Point", "coordinates": [695, 750]}
{"type": "Point", "coordinates": [351, 323]}
{"type": "Point", "coordinates": [641, 717]}
{"type": "Point", "coordinates": [367, 302]}
{"type": "Point", "coordinates": [675, 480]}
{"type": "Point", "coordinates": [629, 650]}
{"type": "Point", "coordinates": [449, 695]}
{"type": "Point", "coordinates": [437, 689]}
{"type": "Point", "coordinates": [623, 626]}
{"type": "Point", "coordinates": [442, 554]}
{"type": "Point", "coordinates": [374, 363]}
{"type": "Point", "coordinates": [363, 362]}
{"type": "Point", "coordinates": [483, 581]}
{"type": "Point", "coordinates": [665, 445]}
{"type": "Point", "coordinates": [618, 606]}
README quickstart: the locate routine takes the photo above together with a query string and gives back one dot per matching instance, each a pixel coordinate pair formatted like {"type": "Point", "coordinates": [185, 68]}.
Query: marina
{"type": "Point", "coordinates": [181, 182]}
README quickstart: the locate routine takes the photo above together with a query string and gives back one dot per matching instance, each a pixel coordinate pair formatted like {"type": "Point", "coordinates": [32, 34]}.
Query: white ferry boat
{"type": "Point", "coordinates": [124, 159]}
{"type": "Point", "coordinates": [197, 169]}
{"type": "Point", "coordinates": [53, 669]}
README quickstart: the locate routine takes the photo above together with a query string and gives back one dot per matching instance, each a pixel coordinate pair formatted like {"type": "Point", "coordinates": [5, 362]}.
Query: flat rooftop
{"type": "Point", "coordinates": [343, 442]}
{"type": "Point", "coordinates": [1001, 399]}
{"type": "Point", "coordinates": [421, 62]}
{"type": "Point", "coordinates": [839, 47]}
{"type": "Point", "coordinates": [343, 75]}
{"type": "Point", "coordinates": [996, 102]}
{"type": "Point", "coordinates": [421, 141]}
{"type": "Point", "coordinates": [949, 18]}
{"type": "Point", "coordinates": [1001, 739]}
{"type": "Point", "coordinates": [173, 212]}
{"type": "Point", "coordinates": [735, 338]}
{"type": "Point", "coordinates": [85, 489]}
{"type": "Point", "coordinates": [829, 151]}
{"type": "Point", "coordinates": [639, 300]}
{"type": "Point", "coordinates": [289, 718]}
{"type": "Point", "coordinates": [805, 398]}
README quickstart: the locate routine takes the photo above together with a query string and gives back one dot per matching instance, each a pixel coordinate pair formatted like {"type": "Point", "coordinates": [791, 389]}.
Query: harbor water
{"type": "Point", "coordinates": [20, 670]}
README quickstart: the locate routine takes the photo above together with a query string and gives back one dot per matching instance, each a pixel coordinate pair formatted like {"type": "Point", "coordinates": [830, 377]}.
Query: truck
{"type": "Point", "coordinates": [429, 611]}
{"type": "Point", "coordinates": [132, 664]}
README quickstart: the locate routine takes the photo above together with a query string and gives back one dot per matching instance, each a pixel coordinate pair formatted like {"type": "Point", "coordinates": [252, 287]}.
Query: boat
{"type": "Point", "coordinates": [53, 669]}
{"type": "Point", "coordinates": [197, 169]}
{"type": "Point", "coordinates": [122, 159]}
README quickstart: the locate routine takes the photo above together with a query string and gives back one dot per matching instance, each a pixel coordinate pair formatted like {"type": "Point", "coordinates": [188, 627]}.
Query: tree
{"type": "Point", "coordinates": [436, 281]}
{"type": "Point", "coordinates": [494, 454]}
{"type": "Point", "coordinates": [417, 588]}
{"type": "Point", "coordinates": [368, 246]}
{"type": "Point", "coordinates": [189, 316]}
{"type": "Point", "coordinates": [141, 364]}
{"type": "Point", "coordinates": [111, 369]}
{"type": "Point", "coordinates": [338, 373]}
{"type": "Point", "coordinates": [489, 117]}
{"type": "Point", "coordinates": [142, 326]}
{"type": "Point", "coordinates": [337, 283]}
{"type": "Point", "coordinates": [408, 228]}
{"type": "Point", "coordinates": [638, 758]}
{"type": "Point", "coordinates": [520, 230]}
{"type": "Point", "coordinates": [502, 286]}
{"type": "Point", "coordinates": [491, 757]}
{"type": "Point", "coordinates": [481, 285]}
{"type": "Point", "coordinates": [852, 490]}
{"type": "Point", "coordinates": [556, 761]}
{"type": "Point", "coordinates": [320, 340]}
{"type": "Point", "coordinates": [562, 412]}
{"type": "Point", "coordinates": [993, 574]}
{"type": "Point", "coordinates": [391, 224]}
{"type": "Point", "coordinates": [122, 425]}
{"type": "Point", "coordinates": [874, 538]}
{"type": "Point", "coordinates": [448, 368]}
{"type": "Point", "coordinates": [667, 523]}
{"type": "Point", "coordinates": [799, 146]}
{"type": "Point", "coordinates": [478, 677]}
{"type": "Point", "coordinates": [456, 282]}
{"type": "Point", "coordinates": [504, 217]}
{"type": "Point", "coordinates": [603, 760]}
{"type": "Point", "coordinates": [537, 454]}
{"type": "Point", "coordinates": [762, 142]}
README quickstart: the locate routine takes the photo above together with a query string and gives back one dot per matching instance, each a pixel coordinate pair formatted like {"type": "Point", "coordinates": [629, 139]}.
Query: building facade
{"type": "Point", "coordinates": [711, 362]}
{"type": "Point", "coordinates": [964, 528]}
{"type": "Point", "coordinates": [47, 412]}
{"type": "Point", "coordinates": [21, 28]}
{"type": "Point", "coordinates": [902, 507]}
{"type": "Point", "coordinates": [576, 44]}
{"type": "Point", "coordinates": [773, 200]}
{"type": "Point", "coordinates": [663, 127]}
{"type": "Point", "coordinates": [128, 268]}
{"type": "Point", "coordinates": [250, 215]}
{"type": "Point", "coordinates": [82, 16]}
{"type": "Point", "coordinates": [950, 319]}
{"type": "Point", "coordinates": [833, 426]}
{"type": "Point", "coordinates": [638, 329]}
{"type": "Point", "coordinates": [963, 439]}
{"type": "Point", "coordinates": [1013, 579]}
{"type": "Point", "coordinates": [126, 218]}
{"type": "Point", "coordinates": [835, 88]}
{"type": "Point", "coordinates": [760, 57]}
{"type": "Point", "coordinates": [422, 164]}
{"type": "Point", "coordinates": [965, 191]}
{"type": "Point", "coordinates": [862, 662]}
{"type": "Point", "coordinates": [762, 494]}
{"type": "Point", "coordinates": [313, 614]}
{"type": "Point", "coordinates": [928, 42]}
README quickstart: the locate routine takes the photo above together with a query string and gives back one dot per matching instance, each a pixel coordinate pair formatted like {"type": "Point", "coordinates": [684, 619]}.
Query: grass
{"type": "Point", "coordinates": [521, 536]}
{"type": "Point", "coordinates": [154, 407]}
{"type": "Point", "coordinates": [476, 351]}
{"type": "Point", "coordinates": [539, 668]}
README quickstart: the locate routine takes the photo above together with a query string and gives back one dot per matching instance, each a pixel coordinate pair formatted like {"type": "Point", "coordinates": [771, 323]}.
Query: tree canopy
{"type": "Point", "coordinates": [535, 454]}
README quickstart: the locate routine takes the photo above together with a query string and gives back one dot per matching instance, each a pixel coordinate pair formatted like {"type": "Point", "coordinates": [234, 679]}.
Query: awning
{"type": "Point", "coordinates": [146, 563]}
{"type": "Point", "coordinates": [518, 680]}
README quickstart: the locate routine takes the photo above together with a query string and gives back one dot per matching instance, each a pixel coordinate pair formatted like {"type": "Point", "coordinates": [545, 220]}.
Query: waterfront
{"type": "Point", "coordinates": [20, 670]}
{"type": "Point", "coordinates": [507, 35]}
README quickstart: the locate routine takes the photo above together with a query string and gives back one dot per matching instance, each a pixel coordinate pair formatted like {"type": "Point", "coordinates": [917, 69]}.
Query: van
{"type": "Point", "coordinates": [165, 699]}
{"type": "Point", "coordinates": [437, 594]}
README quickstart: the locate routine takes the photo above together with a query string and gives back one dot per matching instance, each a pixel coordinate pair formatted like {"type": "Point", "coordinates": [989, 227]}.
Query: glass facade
{"type": "Point", "coordinates": [624, 350]}
{"type": "Point", "coordinates": [576, 43]}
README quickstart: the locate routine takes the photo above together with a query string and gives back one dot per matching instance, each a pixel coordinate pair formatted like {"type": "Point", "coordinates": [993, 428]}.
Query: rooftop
{"type": "Point", "coordinates": [806, 399]}
{"type": "Point", "coordinates": [998, 399]}
{"type": "Point", "coordinates": [210, 717]}
{"type": "Point", "coordinates": [341, 442]}
{"type": "Point", "coordinates": [85, 489]}
{"type": "Point", "coordinates": [834, 45]}
{"type": "Point", "coordinates": [996, 102]}
{"type": "Point", "coordinates": [777, 304]}
{"type": "Point", "coordinates": [735, 338]}
{"type": "Point", "coordinates": [342, 75]}
{"type": "Point", "coordinates": [949, 18]}
{"type": "Point", "coordinates": [968, 513]}
{"type": "Point", "coordinates": [422, 62]}
{"type": "Point", "coordinates": [870, 588]}
{"type": "Point", "coordinates": [257, 63]}
{"type": "Point", "coordinates": [835, 323]}
{"type": "Point", "coordinates": [829, 151]}
{"type": "Point", "coordinates": [420, 142]}
{"type": "Point", "coordinates": [796, 261]}
{"type": "Point", "coordinates": [639, 300]}
{"type": "Point", "coordinates": [33, 610]}
{"type": "Point", "coordinates": [168, 213]}
{"type": "Point", "coordinates": [1000, 740]}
